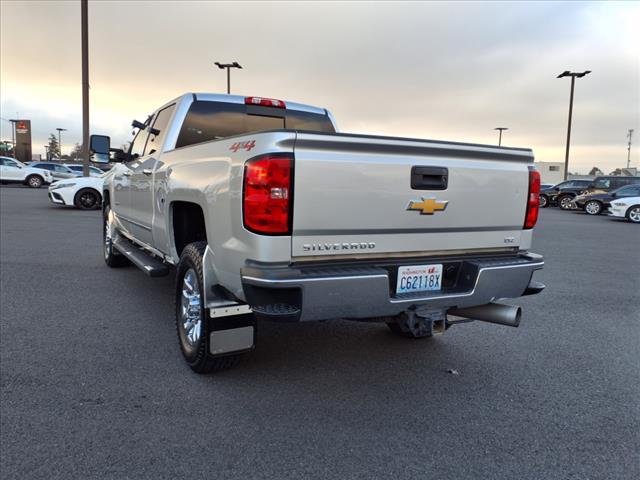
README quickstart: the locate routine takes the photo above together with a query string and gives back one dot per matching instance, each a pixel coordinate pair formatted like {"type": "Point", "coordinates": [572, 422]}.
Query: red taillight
{"type": "Point", "coordinates": [267, 194]}
{"type": "Point", "coordinates": [533, 200]}
{"type": "Point", "coordinates": [265, 102]}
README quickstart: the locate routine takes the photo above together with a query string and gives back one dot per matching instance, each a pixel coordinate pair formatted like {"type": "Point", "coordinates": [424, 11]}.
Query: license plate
{"type": "Point", "coordinates": [419, 278]}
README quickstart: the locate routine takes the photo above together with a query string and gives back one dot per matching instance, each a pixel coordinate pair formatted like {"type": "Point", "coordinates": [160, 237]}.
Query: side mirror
{"type": "Point", "coordinates": [99, 146]}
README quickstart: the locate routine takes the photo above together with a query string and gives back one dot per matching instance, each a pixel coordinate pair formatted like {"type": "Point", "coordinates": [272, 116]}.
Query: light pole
{"type": "Point", "coordinates": [629, 135]}
{"type": "Point", "coordinates": [13, 136]}
{"type": "Point", "coordinates": [84, 32]}
{"type": "Point", "coordinates": [228, 66]}
{"type": "Point", "coordinates": [500, 129]}
{"type": "Point", "coordinates": [60, 130]}
{"type": "Point", "coordinates": [46, 152]}
{"type": "Point", "coordinates": [573, 76]}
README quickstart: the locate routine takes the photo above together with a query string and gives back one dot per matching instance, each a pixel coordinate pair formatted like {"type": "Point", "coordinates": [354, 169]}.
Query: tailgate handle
{"type": "Point", "coordinates": [429, 178]}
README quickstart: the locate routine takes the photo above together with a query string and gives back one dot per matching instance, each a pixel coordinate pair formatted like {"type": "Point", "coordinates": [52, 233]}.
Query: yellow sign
{"type": "Point", "coordinates": [428, 206]}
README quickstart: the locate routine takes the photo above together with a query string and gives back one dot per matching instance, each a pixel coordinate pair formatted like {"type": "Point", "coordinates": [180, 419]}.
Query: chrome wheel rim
{"type": "Point", "coordinates": [190, 308]}
{"type": "Point", "coordinates": [107, 238]}
{"type": "Point", "coordinates": [592, 208]}
{"type": "Point", "coordinates": [543, 201]}
{"type": "Point", "coordinates": [565, 203]}
{"type": "Point", "coordinates": [34, 181]}
{"type": "Point", "coordinates": [634, 214]}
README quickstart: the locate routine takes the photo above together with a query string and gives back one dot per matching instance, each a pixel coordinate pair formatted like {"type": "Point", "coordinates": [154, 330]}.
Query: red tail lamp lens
{"type": "Point", "coordinates": [533, 200]}
{"type": "Point", "coordinates": [267, 194]}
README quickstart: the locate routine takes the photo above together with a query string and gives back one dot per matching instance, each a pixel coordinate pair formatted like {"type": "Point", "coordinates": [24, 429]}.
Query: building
{"type": "Point", "coordinates": [551, 172]}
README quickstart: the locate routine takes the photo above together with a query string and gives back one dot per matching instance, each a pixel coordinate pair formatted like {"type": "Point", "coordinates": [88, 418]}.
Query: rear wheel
{"type": "Point", "coordinates": [565, 202]}
{"type": "Point", "coordinates": [87, 199]}
{"type": "Point", "coordinates": [633, 214]}
{"type": "Point", "coordinates": [192, 323]}
{"type": "Point", "coordinates": [544, 201]}
{"type": "Point", "coordinates": [34, 181]}
{"type": "Point", "coordinates": [593, 207]}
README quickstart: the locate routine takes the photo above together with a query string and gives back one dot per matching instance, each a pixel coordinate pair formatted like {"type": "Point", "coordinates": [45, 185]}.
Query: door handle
{"type": "Point", "coordinates": [429, 178]}
{"type": "Point", "coordinates": [126, 174]}
{"type": "Point", "coordinates": [147, 171]}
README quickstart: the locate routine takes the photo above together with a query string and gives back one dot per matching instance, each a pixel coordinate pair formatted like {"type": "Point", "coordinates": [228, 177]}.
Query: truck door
{"type": "Point", "coordinates": [121, 201]}
{"type": "Point", "coordinates": [142, 177]}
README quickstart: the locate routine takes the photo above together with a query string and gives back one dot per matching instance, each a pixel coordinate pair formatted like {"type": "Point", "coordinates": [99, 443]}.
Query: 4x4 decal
{"type": "Point", "coordinates": [243, 145]}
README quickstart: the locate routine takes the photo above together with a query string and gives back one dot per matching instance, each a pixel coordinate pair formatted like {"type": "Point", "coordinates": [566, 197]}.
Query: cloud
{"type": "Point", "coordinates": [450, 70]}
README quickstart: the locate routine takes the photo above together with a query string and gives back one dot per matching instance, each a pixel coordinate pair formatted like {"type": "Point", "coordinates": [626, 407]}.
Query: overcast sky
{"type": "Point", "coordinates": [449, 70]}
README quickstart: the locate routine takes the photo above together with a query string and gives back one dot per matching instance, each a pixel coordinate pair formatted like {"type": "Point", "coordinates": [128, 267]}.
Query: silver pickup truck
{"type": "Point", "coordinates": [264, 211]}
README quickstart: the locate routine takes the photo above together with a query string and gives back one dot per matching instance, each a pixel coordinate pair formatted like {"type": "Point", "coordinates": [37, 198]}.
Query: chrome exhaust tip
{"type": "Point", "coordinates": [492, 313]}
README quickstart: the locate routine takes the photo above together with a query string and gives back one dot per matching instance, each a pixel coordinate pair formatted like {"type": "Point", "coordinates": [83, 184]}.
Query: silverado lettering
{"type": "Point", "coordinates": [320, 247]}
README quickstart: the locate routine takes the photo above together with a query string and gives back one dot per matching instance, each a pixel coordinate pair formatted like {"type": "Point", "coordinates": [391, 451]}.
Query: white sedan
{"type": "Point", "coordinates": [628, 208]}
{"type": "Point", "coordinates": [84, 193]}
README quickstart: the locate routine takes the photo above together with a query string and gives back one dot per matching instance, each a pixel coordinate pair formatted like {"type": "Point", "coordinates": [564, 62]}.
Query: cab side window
{"type": "Point", "coordinates": [159, 130]}
{"type": "Point", "coordinates": [137, 147]}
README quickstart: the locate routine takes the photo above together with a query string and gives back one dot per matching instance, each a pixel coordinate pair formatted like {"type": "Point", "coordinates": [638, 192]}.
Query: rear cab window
{"type": "Point", "coordinates": [207, 120]}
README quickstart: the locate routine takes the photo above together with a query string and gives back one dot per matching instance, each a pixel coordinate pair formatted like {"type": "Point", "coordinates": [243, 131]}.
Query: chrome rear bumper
{"type": "Point", "coordinates": [351, 291]}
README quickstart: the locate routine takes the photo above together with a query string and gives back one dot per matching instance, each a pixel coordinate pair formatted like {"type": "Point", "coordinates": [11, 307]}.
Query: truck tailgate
{"type": "Point", "coordinates": [353, 195]}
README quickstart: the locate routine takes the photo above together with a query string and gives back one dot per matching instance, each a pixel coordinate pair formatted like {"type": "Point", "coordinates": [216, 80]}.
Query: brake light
{"type": "Point", "coordinates": [265, 102]}
{"type": "Point", "coordinates": [533, 200]}
{"type": "Point", "coordinates": [266, 201]}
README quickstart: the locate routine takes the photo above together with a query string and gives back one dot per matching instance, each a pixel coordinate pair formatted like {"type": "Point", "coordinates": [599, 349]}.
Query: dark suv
{"type": "Point", "coordinates": [611, 182]}
{"type": "Point", "coordinates": [563, 192]}
{"type": "Point", "coordinates": [598, 202]}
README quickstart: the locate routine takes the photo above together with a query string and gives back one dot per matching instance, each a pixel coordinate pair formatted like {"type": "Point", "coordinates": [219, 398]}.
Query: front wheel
{"type": "Point", "coordinates": [544, 201]}
{"type": "Point", "coordinates": [192, 323]}
{"type": "Point", "coordinates": [34, 181]}
{"type": "Point", "coordinates": [87, 199]}
{"type": "Point", "coordinates": [593, 207]}
{"type": "Point", "coordinates": [633, 214]}
{"type": "Point", "coordinates": [565, 202]}
{"type": "Point", "coordinates": [112, 257]}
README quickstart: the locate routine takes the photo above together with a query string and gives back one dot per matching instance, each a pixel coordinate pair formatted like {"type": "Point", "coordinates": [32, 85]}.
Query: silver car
{"type": "Point", "coordinates": [58, 170]}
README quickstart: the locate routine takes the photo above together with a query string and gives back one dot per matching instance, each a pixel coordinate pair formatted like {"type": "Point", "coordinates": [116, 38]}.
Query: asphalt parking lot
{"type": "Point", "coordinates": [94, 385]}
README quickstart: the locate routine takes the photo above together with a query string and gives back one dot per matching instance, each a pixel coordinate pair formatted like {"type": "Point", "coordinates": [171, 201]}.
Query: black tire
{"type": "Point", "coordinates": [112, 257]}
{"type": "Point", "coordinates": [593, 207]}
{"type": "Point", "coordinates": [633, 214]}
{"type": "Point", "coordinates": [34, 181]}
{"type": "Point", "coordinates": [544, 201]}
{"type": "Point", "coordinates": [196, 353]}
{"type": "Point", "coordinates": [87, 199]}
{"type": "Point", "coordinates": [564, 202]}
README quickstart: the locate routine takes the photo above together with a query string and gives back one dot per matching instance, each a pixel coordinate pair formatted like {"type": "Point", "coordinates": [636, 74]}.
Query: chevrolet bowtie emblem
{"type": "Point", "coordinates": [428, 206]}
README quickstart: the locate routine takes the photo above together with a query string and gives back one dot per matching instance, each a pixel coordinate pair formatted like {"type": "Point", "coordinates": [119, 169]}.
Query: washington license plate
{"type": "Point", "coordinates": [419, 278]}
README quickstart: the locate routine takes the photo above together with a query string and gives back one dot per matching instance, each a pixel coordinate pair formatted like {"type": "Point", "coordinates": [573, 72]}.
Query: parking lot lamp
{"type": "Point", "coordinates": [60, 130]}
{"type": "Point", "coordinates": [573, 76]}
{"type": "Point", "coordinates": [629, 135]}
{"type": "Point", "coordinates": [228, 66]}
{"type": "Point", "coordinates": [500, 129]}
